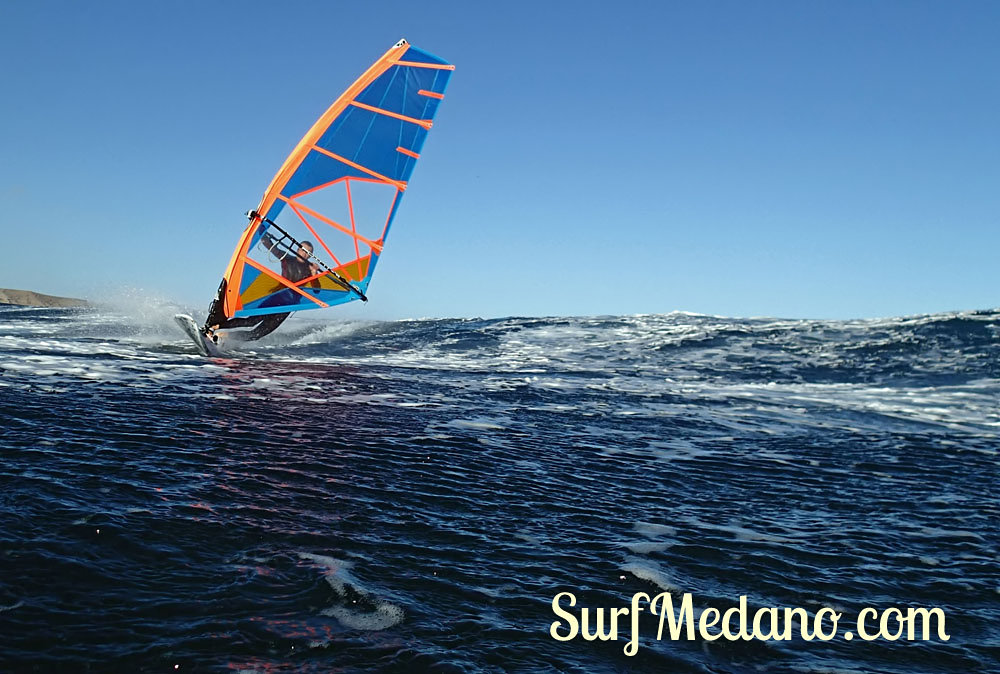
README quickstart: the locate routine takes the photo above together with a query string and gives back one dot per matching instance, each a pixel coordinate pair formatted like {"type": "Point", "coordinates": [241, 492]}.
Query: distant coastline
{"type": "Point", "coordinates": [29, 298]}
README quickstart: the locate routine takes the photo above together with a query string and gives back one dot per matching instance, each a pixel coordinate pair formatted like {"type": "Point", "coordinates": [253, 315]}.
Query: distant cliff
{"type": "Point", "coordinates": [30, 298]}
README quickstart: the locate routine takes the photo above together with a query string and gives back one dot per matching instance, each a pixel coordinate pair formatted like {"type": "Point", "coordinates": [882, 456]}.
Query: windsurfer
{"type": "Point", "coordinates": [293, 267]}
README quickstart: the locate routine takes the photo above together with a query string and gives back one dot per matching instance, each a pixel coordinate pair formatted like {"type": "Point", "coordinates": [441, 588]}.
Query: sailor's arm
{"type": "Point", "coordinates": [272, 246]}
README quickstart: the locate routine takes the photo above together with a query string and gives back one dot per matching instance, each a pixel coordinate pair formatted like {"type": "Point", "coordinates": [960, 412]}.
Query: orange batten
{"type": "Point", "coordinates": [334, 182]}
{"type": "Point", "coordinates": [283, 281]}
{"type": "Point", "coordinates": [431, 94]}
{"type": "Point", "coordinates": [408, 153]}
{"type": "Point", "coordinates": [432, 66]}
{"type": "Point", "coordinates": [426, 123]}
{"type": "Point", "coordinates": [315, 233]}
{"type": "Point", "coordinates": [350, 210]}
{"type": "Point", "coordinates": [319, 216]}
{"type": "Point", "coordinates": [385, 229]}
{"type": "Point", "coordinates": [311, 278]}
{"type": "Point", "coordinates": [317, 188]}
{"type": "Point", "coordinates": [399, 185]}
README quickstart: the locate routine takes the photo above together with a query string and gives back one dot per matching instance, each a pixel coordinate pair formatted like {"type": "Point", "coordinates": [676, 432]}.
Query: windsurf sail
{"type": "Point", "coordinates": [338, 192]}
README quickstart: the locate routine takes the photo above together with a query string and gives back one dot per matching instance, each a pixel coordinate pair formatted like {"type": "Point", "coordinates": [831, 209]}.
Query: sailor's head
{"type": "Point", "coordinates": [304, 250]}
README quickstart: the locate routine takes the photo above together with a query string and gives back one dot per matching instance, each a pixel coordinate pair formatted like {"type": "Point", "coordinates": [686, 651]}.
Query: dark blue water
{"type": "Point", "coordinates": [410, 496]}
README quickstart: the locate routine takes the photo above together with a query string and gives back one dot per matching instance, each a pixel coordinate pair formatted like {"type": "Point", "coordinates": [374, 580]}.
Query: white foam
{"type": "Point", "coordinates": [385, 616]}
{"type": "Point", "coordinates": [654, 530]}
{"type": "Point", "coordinates": [327, 332]}
{"type": "Point", "coordinates": [746, 534]}
{"type": "Point", "coordinates": [337, 574]}
{"type": "Point", "coordinates": [646, 570]}
{"type": "Point", "coordinates": [528, 538]}
{"type": "Point", "coordinates": [480, 423]}
{"type": "Point", "coordinates": [932, 532]}
{"type": "Point", "coordinates": [646, 547]}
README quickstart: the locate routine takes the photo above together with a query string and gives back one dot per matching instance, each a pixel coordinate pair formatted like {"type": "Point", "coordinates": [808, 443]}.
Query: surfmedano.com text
{"type": "Point", "coordinates": [770, 623]}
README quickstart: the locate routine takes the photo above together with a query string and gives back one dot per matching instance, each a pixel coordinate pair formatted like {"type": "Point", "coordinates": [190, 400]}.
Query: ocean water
{"type": "Point", "coordinates": [412, 495]}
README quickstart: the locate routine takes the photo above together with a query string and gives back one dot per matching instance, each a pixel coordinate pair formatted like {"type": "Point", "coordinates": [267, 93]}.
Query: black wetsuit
{"type": "Point", "coordinates": [293, 268]}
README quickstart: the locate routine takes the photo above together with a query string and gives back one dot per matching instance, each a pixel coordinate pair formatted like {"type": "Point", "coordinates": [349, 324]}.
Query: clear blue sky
{"type": "Point", "coordinates": [813, 159]}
